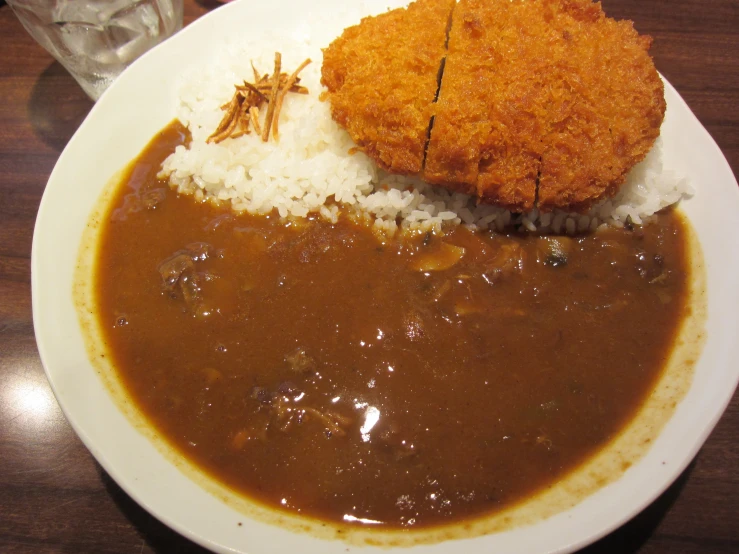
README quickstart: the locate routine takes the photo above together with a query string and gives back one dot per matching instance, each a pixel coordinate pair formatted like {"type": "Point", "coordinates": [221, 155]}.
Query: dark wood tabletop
{"type": "Point", "coordinates": [54, 497]}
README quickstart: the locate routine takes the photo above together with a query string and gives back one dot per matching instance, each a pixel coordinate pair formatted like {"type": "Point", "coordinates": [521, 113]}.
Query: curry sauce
{"type": "Point", "coordinates": [406, 382]}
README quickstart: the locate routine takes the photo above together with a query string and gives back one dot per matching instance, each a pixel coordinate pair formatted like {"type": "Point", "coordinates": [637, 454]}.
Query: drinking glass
{"type": "Point", "coordinates": [95, 40]}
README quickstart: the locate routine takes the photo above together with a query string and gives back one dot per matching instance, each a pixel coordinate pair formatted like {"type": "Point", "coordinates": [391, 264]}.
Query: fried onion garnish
{"type": "Point", "coordinates": [243, 111]}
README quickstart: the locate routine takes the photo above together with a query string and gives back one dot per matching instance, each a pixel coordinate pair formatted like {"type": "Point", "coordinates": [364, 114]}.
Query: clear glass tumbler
{"type": "Point", "coordinates": [95, 40]}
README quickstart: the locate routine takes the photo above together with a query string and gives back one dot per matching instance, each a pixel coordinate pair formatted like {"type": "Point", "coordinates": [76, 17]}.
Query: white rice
{"type": "Point", "coordinates": [311, 170]}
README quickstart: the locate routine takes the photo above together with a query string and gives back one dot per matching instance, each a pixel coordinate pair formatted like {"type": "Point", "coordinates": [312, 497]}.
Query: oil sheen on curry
{"type": "Point", "coordinates": [411, 382]}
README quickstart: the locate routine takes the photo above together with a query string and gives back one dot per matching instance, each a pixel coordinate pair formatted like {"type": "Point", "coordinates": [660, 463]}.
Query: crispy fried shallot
{"type": "Point", "coordinates": [243, 110]}
{"type": "Point", "coordinates": [282, 93]}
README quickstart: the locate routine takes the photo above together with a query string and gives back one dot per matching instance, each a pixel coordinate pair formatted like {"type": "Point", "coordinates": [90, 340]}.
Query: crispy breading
{"type": "Point", "coordinates": [382, 79]}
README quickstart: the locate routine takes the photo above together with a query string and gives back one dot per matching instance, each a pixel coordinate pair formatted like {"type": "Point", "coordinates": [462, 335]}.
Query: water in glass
{"type": "Point", "coordinates": [97, 39]}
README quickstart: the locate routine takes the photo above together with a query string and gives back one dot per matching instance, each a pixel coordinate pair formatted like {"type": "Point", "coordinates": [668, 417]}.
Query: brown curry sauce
{"type": "Point", "coordinates": [316, 369]}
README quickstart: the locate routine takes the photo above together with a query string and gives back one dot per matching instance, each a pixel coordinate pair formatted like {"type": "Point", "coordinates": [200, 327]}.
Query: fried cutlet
{"type": "Point", "coordinates": [543, 103]}
{"type": "Point", "coordinates": [382, 80]}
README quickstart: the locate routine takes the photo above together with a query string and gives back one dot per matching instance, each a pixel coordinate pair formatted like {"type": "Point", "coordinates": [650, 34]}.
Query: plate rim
{"type": "Point", "coordinates": [110, 467]}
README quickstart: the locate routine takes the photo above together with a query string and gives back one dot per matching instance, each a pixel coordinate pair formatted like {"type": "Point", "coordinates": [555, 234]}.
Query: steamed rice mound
{"type": "Point", "coordinates": [315, 168]}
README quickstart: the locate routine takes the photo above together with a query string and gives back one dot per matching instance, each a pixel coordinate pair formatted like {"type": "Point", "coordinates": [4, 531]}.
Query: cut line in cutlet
{"type": "Point", "coordinates": [439, 77]}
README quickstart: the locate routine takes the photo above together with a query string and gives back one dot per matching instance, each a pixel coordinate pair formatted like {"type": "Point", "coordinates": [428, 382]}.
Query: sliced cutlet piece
{"type": "Point", "coordinates": [484, 138]}
{"type": "Point", "coordinates": [517, 103]}
{"type": "Point", "coordinates": [461, 120]}
{"type": "Point", "coordinates": [606, 108]}
{"type": "Point", "coordinates": [381, 77]}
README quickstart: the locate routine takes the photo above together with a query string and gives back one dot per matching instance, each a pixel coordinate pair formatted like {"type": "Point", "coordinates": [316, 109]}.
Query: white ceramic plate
{"type": "Point", "coordinates": [140, 103]}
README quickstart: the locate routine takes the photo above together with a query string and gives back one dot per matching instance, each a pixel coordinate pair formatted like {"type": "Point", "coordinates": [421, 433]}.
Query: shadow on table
{"type": "Point", "coordinates": [627, 539]}
{"type": "Point", "coordinates": [57, 106]}
{"type": "Point", "coordinates": [158, 537]}
{"type": "Point", "coordinates": [210, 4]}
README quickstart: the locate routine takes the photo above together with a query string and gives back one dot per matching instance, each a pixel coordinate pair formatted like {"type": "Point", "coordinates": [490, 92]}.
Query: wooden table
{"type": "Point", "coordinates": [54, 497]}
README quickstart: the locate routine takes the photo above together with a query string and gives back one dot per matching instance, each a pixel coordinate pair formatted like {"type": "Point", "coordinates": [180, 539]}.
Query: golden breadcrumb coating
{"type": "Point", "coordinates": [382, 78]}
